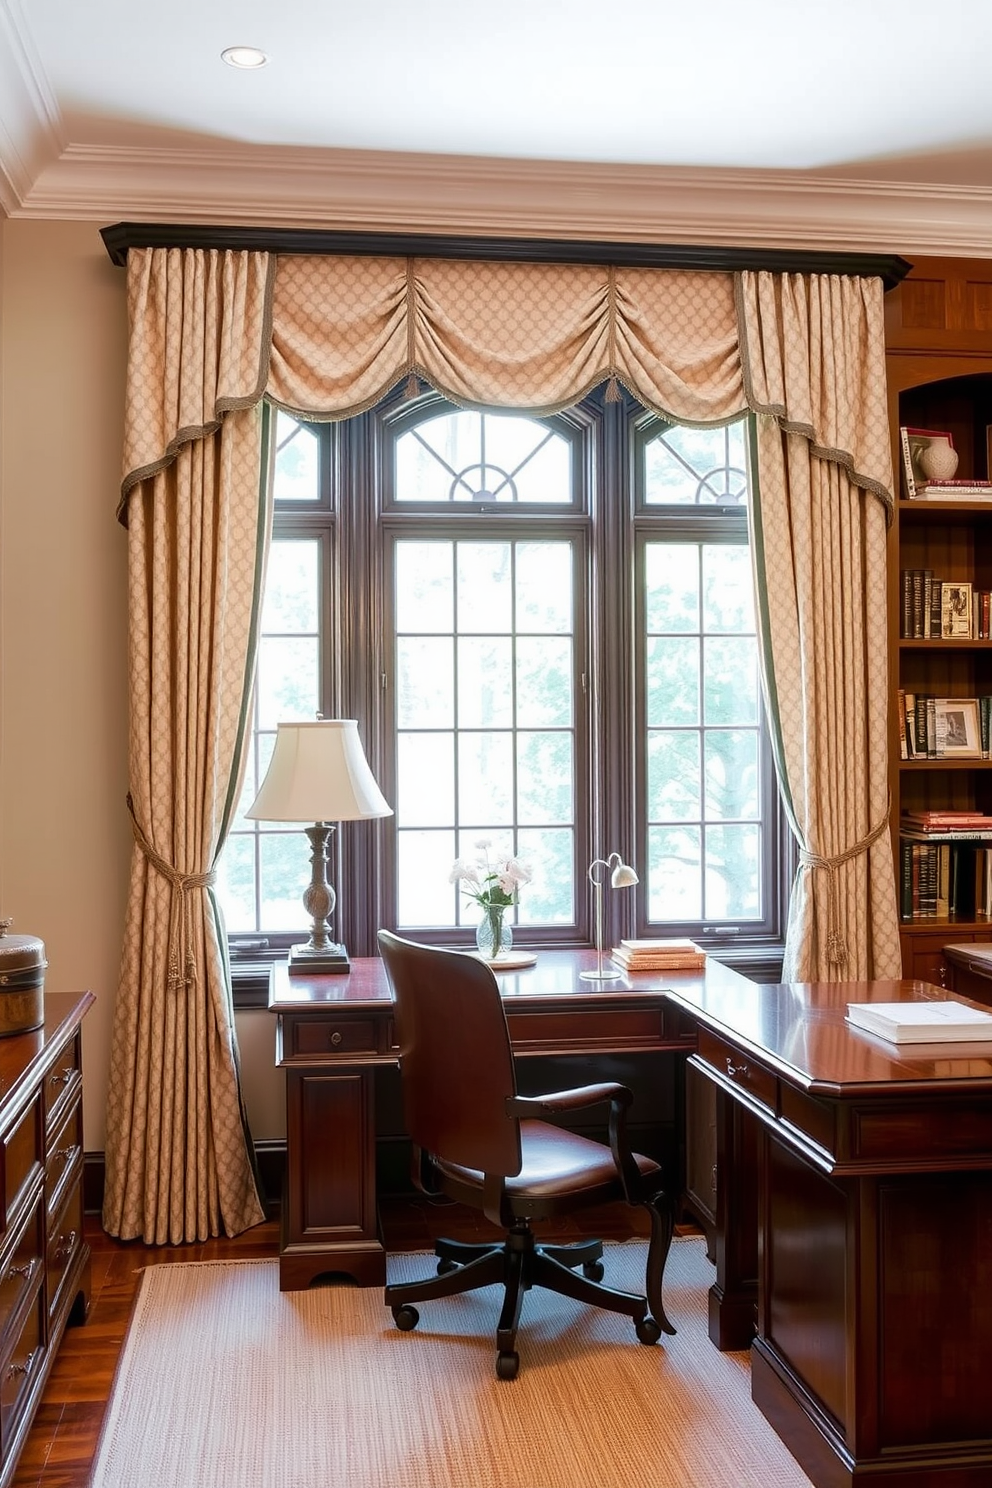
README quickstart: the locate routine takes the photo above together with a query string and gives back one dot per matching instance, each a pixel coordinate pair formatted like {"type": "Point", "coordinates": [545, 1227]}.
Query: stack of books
{"type": "Point", "coordinates": [659, 955]}
{"type": "Point", "coordinates": [925, 826]}
{"type": "Point", "coordinates": [922, 1022]}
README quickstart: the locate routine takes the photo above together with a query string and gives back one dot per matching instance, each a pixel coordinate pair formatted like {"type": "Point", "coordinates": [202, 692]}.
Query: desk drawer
{"type": "Point", "coordinates": [577, 1029]}
{"type": "Point", "coordinates": [759, 1084]}
{"type": "Point", "coordinates": [333, 1035]}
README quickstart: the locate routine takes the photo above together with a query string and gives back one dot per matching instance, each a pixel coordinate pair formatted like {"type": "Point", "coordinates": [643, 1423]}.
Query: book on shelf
{"type": "Point", "coordinates": [947, 834]}
{"type": "Point", "coordinates": [945, 878]}
{"type": "Point", "coordinates": [947, 818]}
{"type": "Point", "coordinates": [929, 1022]}
{"type": "Point", "coordinates": [933, 608]}
{"type": "Point", "coordinates": [953, 490]}
{"type": "Point", "coordinates": [945, 727]}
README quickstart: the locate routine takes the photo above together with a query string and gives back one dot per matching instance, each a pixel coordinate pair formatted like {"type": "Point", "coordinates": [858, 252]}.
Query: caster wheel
{"type": "Point", "coordinates": [593, 1271]}
{"type": "Point", "coordinates": [647, 1330]}
{"type": "Point", "coordinates": [443, 1267]}
{"type": "Point", "coordinates": [507, 1365]}
{"type": "Point", "coordinates": [406, 1317]}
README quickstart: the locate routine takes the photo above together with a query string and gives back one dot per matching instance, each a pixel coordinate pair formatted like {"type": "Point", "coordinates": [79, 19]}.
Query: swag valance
{"type": "Point", "coordinates": [213, 331]}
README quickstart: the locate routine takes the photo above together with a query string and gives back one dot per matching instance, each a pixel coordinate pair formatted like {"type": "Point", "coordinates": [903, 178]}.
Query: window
{"type": "Point", "coordinates": [545, 627]}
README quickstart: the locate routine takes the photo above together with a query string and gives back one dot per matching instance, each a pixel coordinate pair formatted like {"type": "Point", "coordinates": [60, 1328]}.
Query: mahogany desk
{"type": "Point", "coordinates": [873, 1354]}
{"type": "Point", "coordinates": [332, 1032]}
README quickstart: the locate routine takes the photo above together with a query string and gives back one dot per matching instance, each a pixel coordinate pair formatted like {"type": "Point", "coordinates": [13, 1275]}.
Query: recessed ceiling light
{"type": "Point", "coordinates": [242, 56]}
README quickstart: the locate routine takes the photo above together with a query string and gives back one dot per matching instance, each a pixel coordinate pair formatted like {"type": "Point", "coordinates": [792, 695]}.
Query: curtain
{"type": "Point", "coordinates": [178, 1161]}
{"type": "Point", "coordinates": [813, 353]}
{"type": "Point", "coordinates": [213, 332]}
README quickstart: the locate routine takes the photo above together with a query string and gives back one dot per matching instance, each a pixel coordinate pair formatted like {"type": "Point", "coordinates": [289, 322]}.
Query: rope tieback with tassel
{"type": "Point", "coordinates": [182, 961]}
{"type": "Point", "coordinates": [836, 942]}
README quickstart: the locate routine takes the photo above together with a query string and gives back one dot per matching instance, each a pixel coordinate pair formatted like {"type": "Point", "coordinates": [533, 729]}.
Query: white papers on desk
{"type": "Point", "coordinates": [921, 1022]}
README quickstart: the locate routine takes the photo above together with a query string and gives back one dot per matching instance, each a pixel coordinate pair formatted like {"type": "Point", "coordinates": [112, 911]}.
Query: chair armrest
{"type": "Point", "coordinates": [577, 1099]}
{"type": "Point", "coordinates": [558, 1102]}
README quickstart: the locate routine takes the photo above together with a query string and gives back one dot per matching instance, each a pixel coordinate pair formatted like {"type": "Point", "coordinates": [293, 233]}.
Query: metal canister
{"type": "Point", "coordinates": [22, 981]}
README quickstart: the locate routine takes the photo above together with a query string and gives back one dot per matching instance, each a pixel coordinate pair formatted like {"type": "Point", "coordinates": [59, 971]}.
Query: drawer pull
{"type": "Point", "coordinates": [66, 1245]}
{"type": "Point", "coordinates": [63, 1078]}
{"type": "Point", "coordinates": [24, 1270]}
{"type": "Point", "coordinates": [335, 1039]}
{"type": "Point", "coordinates": [737, 1071]}
{"type": "Point", "coordinates": [17, 1369]}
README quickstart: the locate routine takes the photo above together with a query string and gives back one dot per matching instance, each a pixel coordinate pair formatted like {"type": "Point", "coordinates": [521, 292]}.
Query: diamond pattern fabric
{"type": "Point", "coordinates": [211, 334]}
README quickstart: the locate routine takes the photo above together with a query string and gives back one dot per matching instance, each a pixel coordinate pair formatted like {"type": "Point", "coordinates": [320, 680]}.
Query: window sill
{"type": "Point", "coordinates": [250, 984]}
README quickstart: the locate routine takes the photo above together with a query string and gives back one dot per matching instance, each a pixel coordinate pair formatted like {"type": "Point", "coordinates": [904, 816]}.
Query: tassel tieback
{"type": "Point", "coordinates": [182, 962]}
{"type": "Point", "coordinates": [836, 941]}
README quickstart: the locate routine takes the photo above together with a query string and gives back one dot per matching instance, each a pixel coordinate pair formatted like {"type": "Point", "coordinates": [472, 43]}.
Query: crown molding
{"type": "Point", "coordinates": [30, 124]}
{"type": "Point", "coordinates": [370, 191]}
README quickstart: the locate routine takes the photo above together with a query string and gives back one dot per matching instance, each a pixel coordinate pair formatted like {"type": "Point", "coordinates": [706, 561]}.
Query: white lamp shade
{"type": "Point", "coordinates": [318, 773]}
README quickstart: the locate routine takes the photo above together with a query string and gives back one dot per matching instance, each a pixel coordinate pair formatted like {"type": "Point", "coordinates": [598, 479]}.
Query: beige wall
{"type": "Point", "coordinates": [64, 832]}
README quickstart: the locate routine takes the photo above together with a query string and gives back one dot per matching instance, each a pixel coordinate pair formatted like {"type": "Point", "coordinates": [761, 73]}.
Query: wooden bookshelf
{"type": "Point", "coordinates": [939, 374]}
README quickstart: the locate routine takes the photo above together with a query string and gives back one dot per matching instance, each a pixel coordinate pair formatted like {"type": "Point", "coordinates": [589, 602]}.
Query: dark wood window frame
{"type": "Point", "coordinates": [251, 981]}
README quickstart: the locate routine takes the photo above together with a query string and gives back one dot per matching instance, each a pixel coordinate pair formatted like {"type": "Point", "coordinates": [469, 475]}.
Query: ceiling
{"type": "Point", "coordinates": [859, 123]}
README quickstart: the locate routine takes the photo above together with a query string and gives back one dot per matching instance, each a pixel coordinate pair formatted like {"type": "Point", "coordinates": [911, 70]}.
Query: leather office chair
{"type": "Point", "coordinates": [478, 1142]}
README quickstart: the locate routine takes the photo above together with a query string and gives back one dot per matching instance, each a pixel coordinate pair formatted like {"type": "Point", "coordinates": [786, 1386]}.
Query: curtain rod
{"type": "Point", "coordinates": [888, 267]}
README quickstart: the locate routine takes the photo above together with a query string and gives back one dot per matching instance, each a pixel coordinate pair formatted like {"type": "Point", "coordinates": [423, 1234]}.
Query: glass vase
{"type": "Point", "coordinates": [493, 935]}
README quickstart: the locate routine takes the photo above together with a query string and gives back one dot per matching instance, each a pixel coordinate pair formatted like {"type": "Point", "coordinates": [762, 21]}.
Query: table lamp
{"type": "Point", "coordinates": [318, 773]}
{"type": "Point", "coordinates": [622, 876]}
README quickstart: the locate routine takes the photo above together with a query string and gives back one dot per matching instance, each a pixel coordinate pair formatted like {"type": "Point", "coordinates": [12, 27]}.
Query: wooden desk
{"type": "Point", "coordinates": [873, 1353]}
{"type": "Point", "coordinates": [332, 1033]}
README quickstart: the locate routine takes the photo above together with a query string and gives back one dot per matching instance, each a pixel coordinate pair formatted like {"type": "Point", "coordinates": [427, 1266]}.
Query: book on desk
{"type": "Point", "coordinates": [659, 955]}
{"type": "Point", "coordinates": [922, 1022]}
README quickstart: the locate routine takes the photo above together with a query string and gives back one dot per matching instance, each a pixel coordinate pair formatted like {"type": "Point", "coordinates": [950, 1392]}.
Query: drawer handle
{"type": "Point", "coordinates": [335, 1039]}
{"type": "Point", "coordinates": [16, 1369]}
{"type": "Point", "coordinates": [24, 1270]}
{"type": "Point", "coordinates": [65, 1246]}
{"type": "Point", "coordinates": [737, 1071]}
{"type": "Point", "coordinates": [64, 1077]}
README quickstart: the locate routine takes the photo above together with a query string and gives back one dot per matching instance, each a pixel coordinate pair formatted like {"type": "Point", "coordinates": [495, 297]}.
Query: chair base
{"type": "Point", "coordinates": [518, 1264]}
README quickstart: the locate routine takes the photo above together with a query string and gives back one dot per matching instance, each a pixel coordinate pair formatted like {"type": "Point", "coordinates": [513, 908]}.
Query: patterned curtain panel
{"type": "Point", "coordinates": [179, 1160]}
{"type": "Point", "coordinates": [211, 334]}
{"type": "Point", "coordinates": [814, 360]}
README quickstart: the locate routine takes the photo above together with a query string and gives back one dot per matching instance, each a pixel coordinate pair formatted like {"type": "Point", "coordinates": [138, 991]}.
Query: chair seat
{"type": "Point", "coordinates": [557, 1164]}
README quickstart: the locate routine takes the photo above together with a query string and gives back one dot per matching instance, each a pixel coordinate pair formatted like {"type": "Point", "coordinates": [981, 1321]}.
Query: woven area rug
{"type": "Point", "coordinates": [226, 1382]}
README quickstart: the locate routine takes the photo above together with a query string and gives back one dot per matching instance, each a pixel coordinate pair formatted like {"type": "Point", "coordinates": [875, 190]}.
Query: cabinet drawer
{"type": "Point", "coordinates": [334, 1035]}
{"type": "Point", "coordinates": [20, 1156]}
{"type": "Point", "coordinates": [65, 1152]}
{"type": "Point", "coordinates": [62, 1082]}
{"type": "Point", "coordinates": [65, 1240]}
{"type": "Point", "coordinates": [20, 1368]}
{"type": "Point", "coordinates": [20, 1267]}
{"type": "Point", "coordinates": [758, 1083]}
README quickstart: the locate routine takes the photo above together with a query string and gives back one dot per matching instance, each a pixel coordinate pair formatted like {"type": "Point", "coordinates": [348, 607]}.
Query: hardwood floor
{"type": "Point", "coordinates": [66, 1428]}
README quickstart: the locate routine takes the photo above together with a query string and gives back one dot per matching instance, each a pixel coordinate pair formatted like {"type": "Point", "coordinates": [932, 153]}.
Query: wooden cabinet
{"type": "Point", "coordinates": [939, 372]}
{"type": "Point", "coordinates": [44, 1260]}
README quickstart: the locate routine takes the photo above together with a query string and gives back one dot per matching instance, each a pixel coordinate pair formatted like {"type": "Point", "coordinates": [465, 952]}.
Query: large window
{"type": "Point", "coordinates": [545, 627]}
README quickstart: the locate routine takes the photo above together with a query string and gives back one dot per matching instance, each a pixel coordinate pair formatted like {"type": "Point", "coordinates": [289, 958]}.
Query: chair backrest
{"type": "Point", "coordinates": [456, 1062]}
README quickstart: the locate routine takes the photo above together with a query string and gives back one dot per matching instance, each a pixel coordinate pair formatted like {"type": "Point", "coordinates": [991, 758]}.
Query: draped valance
{"type": "Point", "coordinates": [327, 336]}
